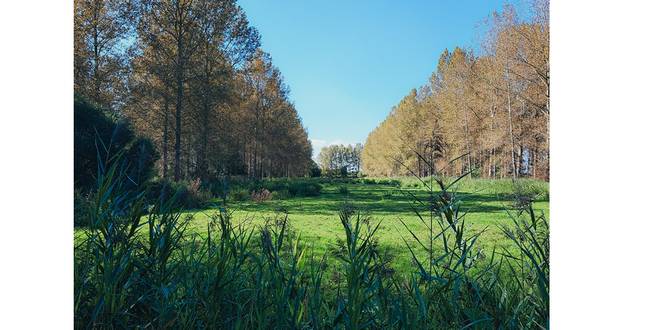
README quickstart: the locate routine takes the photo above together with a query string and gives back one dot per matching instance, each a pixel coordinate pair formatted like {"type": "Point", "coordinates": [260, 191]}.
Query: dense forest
{"type": "Point", "coordinates": [489, 112]}
{"type": "Point", "coordinates": [189, 76]}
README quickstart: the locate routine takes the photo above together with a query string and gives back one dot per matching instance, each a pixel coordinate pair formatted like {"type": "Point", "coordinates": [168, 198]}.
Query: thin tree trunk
{"type": "Point", "coordinates": [166, 125]}
{"type": "Point", "coordinates": [467, 140]}
{"type": "Point", "coordinates": [97, 55]}
{"type": "Point", "coordinates": [179, 106]}
{"type": "Point", "coordinates": [533, 163]}
{"type": "Point", "coordinates": [520, 159]}
{"type": "Point", "coordinates": [508, 96]}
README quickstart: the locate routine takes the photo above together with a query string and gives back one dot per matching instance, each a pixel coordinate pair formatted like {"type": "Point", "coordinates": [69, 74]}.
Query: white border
{"type": "Point", "coordinates": [604, 177]}
{"type": "Point", "coordinates": [36, 166]}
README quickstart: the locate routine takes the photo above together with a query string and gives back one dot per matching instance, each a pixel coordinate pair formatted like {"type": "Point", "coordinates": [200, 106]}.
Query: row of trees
{"type": "Point", "coordinates": [190, 76]}
{"type": "Point", "coordinates": [491, 111]}
{"type": "Point", "coordinates": [340, 159]}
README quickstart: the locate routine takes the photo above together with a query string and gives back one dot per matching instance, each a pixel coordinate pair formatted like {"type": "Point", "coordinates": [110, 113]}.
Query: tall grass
{"type": "Point", "coordinates": [139, 266]}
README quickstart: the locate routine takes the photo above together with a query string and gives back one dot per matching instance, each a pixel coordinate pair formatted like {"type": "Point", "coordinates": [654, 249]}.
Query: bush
{"type": "Point", "coordinates": [343, 190]}
{"type": "Point", "coordinates": [188, 195]}
{"type": "Point", "coordinates": [218, 187]}
{"type": "Point", "coordinates": [304, 189]}
{"type": "Point", "coordinates": [81, 203]}
{"type": "Point", "coordinates": [280, 194]}
{"type": "Point", "coordinates": [96, 136]}
{"type": "Point", "coordinates": [239, 195]}
{"type": "Point", "coordinates": [294, 188]}
{"type": "Point", "coordinates": [261, 196]}
{"type": "Point", "coordinates": [381, 181]}
{"type": "Point", "coordinates": [524, 192]}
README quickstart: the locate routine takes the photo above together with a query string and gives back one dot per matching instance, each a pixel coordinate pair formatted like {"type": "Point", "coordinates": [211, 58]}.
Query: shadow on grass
{"type": "Point", "coordinates": [376, 199]}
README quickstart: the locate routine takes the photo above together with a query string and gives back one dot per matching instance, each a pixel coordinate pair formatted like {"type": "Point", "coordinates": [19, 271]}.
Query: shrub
{"type": "Point", "coordinates": [188, 195]}
{"type": "Point", "coordinates": [239, 195]}
{"type": "Point", "coordinates": [81, 203]}
{"type": "Point", "coordinates": [304, 189]}
{"type": "Point", "coordinates": [280, 194]}
{"type": "Point", "coordinates": [524, 192]}
{"type": "Point", "coordinates": [261, 196]}
{"type": "Point", "coordinates": [294, 188]}
{"type": "Point", "coordinates": [96, 136]}
{"type": "Point", "coordinates": [343, 190]}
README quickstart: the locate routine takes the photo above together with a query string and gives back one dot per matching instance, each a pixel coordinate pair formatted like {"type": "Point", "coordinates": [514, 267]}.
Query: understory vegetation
{"type": "Point", "coordinates": [140, 263]}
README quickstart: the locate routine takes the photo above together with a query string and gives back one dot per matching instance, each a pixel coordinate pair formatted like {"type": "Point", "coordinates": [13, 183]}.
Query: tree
{"type": "Point", "coordinates": [490, 111]}
{"type": "Point", "coordinates": [101, 34]}
{"type": "Point", "coordinates": [184, 80]}
{"type": "Point", "coordinates": [340, 159]}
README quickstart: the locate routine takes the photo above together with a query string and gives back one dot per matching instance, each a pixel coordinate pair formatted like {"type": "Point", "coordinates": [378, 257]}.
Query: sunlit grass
{"type": "Point", "coordinates": [315, 218]}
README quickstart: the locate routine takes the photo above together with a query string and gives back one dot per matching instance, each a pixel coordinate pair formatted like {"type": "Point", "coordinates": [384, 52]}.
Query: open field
{"type": "Point", "coordinates": [487, 204]}
{"type": "Point", "coordinates": [328, 265]}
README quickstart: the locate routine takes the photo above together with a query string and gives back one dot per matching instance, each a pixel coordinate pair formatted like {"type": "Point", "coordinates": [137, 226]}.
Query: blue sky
{"type": "Point", "coordinates": [349, 62]}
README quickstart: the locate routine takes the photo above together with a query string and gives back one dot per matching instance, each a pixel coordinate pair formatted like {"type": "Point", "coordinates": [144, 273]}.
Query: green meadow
{"type": "Point", "coordinates": [486, 204]}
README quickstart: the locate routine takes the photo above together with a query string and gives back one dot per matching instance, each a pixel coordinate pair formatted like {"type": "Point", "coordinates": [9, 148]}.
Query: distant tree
{"type": "Point", "coordinates": [340, 159]}
{"type": "Point", "coordinates": [314, 170]}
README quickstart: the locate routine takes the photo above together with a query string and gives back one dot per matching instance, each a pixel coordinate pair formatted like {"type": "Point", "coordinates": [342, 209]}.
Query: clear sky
{"type": "Point", "coordinates": [349, 62]}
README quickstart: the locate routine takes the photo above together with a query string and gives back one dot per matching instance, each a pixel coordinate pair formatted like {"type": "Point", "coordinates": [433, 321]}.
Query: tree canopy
{"type": "Point", "coordinates": [189, 75]}
{"type": "Point", "coordinates": [491, 111]}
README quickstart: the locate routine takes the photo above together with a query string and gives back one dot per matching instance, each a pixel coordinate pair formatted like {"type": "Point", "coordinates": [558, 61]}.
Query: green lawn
{"type": "Point", "coordinates": [315, 219]}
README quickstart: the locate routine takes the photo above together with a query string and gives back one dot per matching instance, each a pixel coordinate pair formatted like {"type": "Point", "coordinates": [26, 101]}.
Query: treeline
{"type": "Point", "coordinates": [491, 111]}
{"type": "Point", "coordinates": [339, 159]}
{"type": "Point", "coordinates": [189, 75]}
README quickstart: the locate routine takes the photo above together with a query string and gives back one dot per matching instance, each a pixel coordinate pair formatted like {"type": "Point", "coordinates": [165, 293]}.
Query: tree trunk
{"type": "Point", "coordinates": [467, 140]}
{"type": "Point", "coordinates": [520, 159]}
{"type": "Point", "coordinates": [166, 125]}
{"type": "Point", "coordinates": [97, 55]}
{"type": "Point", "coordinates": [179, 106]}
{"type": "Point", "coordinates": [508, 96]}
{"type": "Point", "coordinates": [533, 163]}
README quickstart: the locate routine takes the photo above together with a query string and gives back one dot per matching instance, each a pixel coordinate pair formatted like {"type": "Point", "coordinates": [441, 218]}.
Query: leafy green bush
{"type": "Point", "coordinates": [343, 190]}
{"type": "Point", "coordinates": [97, 136]}
{"type": "Point", "coordinates": [294, 187]}
{"type": "Point", "coordinates": [304, 189]}
{"type": "Point", "coordinates": [239, 195]}
{"type": "Point", "coordinates": [188, 195]}
{"type": "Point", "coordinates": [280, 195]}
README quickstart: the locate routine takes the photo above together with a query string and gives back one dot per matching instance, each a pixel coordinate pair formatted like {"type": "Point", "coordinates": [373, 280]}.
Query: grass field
{"type": "Point", "coordinates": [316, 219]}
{"type": "Point", "coordinates": [328, 268]}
